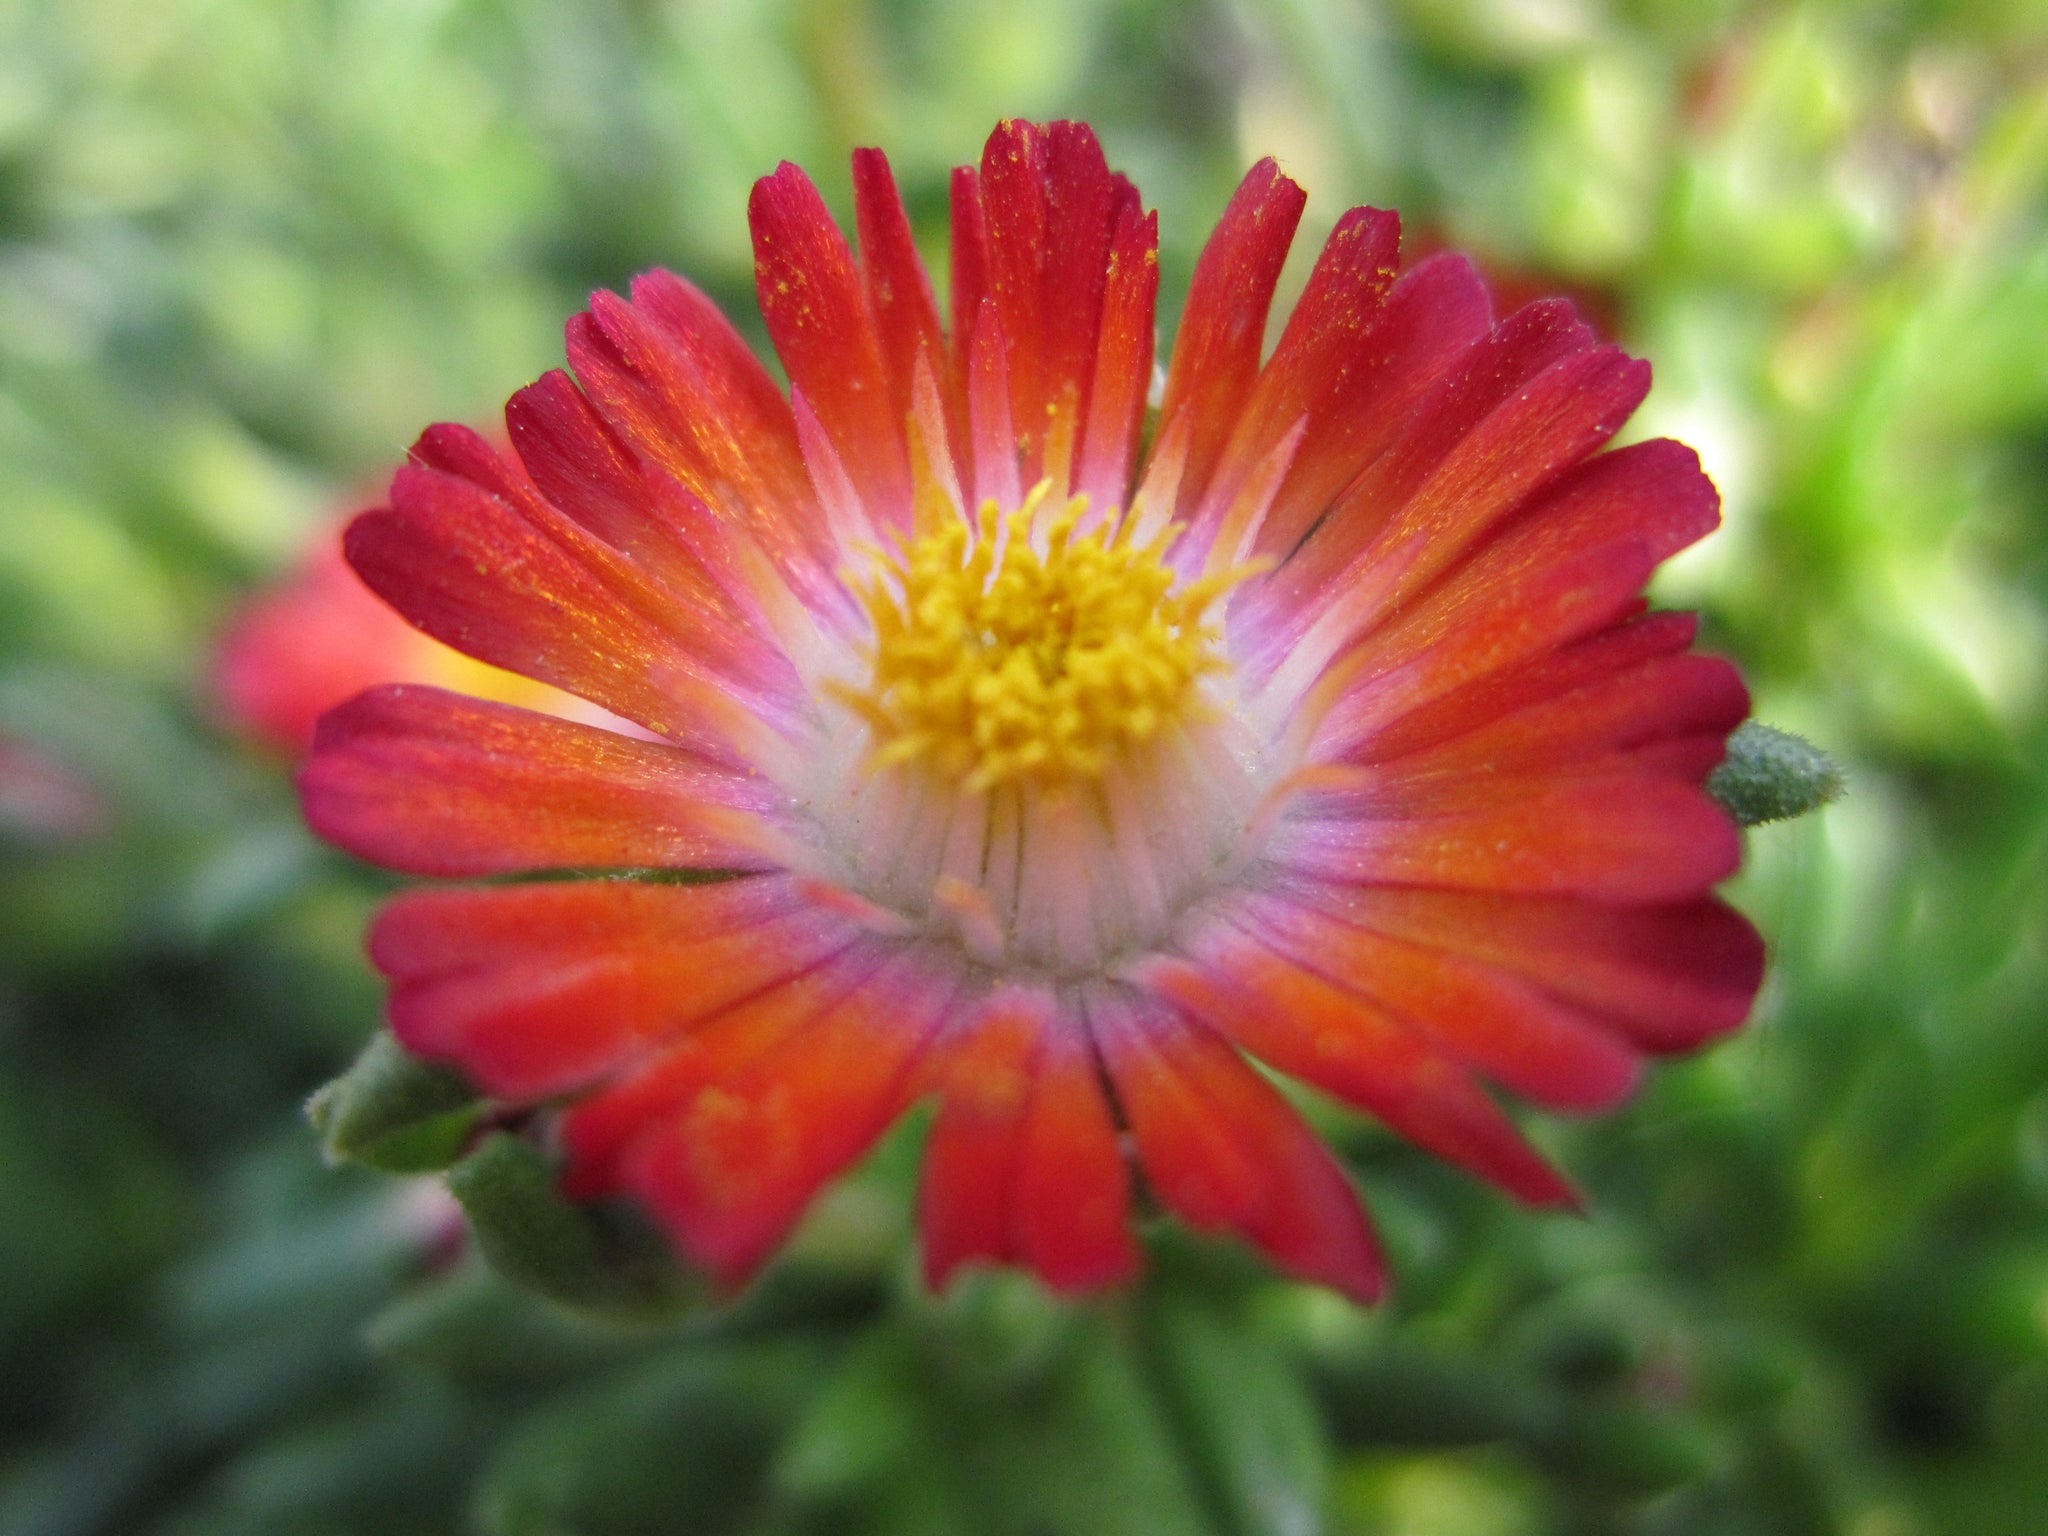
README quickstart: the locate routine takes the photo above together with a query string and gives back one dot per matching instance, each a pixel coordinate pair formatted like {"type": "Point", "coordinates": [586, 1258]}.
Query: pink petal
{"type": "Point", "coordinates": [1528, 1042]}
{"type": "Point", "coordinates": [535, 991]}
{"type": "Point", "coordinates": [314, 641]}
{"type": "Point", "coordinates": [1123, 362]}
{"type": "Point", "coordinates": [734, 1165]}
{"type": "Point", "coordinates": [435, 783]}
{"type": "Point", "coordinates": [1224, 1151]}
{"type": "Point", "coordinates": [468, 569]}
{"type": "Point", "coordinates": [1051, 210]}
{"type": "Point", "coordinates": [970, 261]}
{"type": "Point", "coordinates": [1523, 404]}
{"type": "Point", "coordinates": [1022, 1165]}
{"type": "Point", "coordinates": [1672, 976]}
{"type": "Point", "coordinates": [899, 292]}
{"type": "Point", "coordinates": [996, 473]}
{"type": "Point", "coordinates": [1309, 1029]}
{"type": "Point", "coordinates": [1367, 692]}
{"type": "Point", "coordinates": [1321, 355]}
{"type": "Point", "coordinates": [1597, 729]}
{"type": "Point", "coordinates": [601, 1132]}
{"type": "Point", "coordinates": [1611, 653]}
{"type": "Point", "coordinates": [1013, 201]}
{"type": "Point", "coordinates": [428, 933]}
{"type": "Point", "coordinates": [578, 463]}
{"type": "Point", "coordinates": [686, 395]}
{"type": "Point", "coordinates": [1223, 328]}
{"type": "Point", "coordinates": [1641, 840]}
{"type": "Point", "coordinates": [817, 314]}
{"type": "Point", "coordinates": [1426, 326]}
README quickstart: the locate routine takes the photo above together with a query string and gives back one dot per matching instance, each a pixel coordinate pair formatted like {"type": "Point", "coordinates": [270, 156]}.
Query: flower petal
{"type": "Point", "coordinates": [1051, 209]}
{"type": "Point", "coordinates": [1601, 729]}
{"type": "Point", "coordinates": [1609, 655]}
{"type": "Point", "coordinates": [1529, 1043]}
{"type": "Point", "coordinates": [578, 462]}
{"type": "Point", "coordinates": [600, 1131]}
{"type": "Point", "coordinates": [1489, 416]}
{"type": "Point", "coordinates": [997, 476]}
{"type": "Point", "coordinates": [1425, 326]}
{"type": "Point", "coordinates": [475, 573]}
{"type": "Point", "coordinates": [1321, 356]}
{"type": "Point", "coordinates": [683, 391]}
{"type": "Point", "coordinates": [1527, 403]}
{"type": "Point", "coordinates": [1651, 497]}
{"type": "Point", "coordinates": [899, 291]}
{"type": "Point", "coordinates": [1224, 1151]}
{"type": "Point", "coordinates": [583, 468]}
{"type": "Point", "coordinates": [1622, 839]}
{"type": "Point", "coordinates": [321, 637]}
{"type": "Point", "coordinates": [1671, 976]}
{"type": "Point", "coordinates": [1223, 328]}
{"type": "Point", "coordinates": [1312, 1030]}
{"type": "Point", "coordinates": [731, 1169]}
{"type": "Point", "coordinates": [540, 990]}
{"type": "Point", "coordinates": [1369, 689]}
{"type": "Point", "coordinates": [970, 278]}
{"type": "Point", "coordinates": [436, 783]}
{"type": "Point", "coordinates": [1022, 1165]}
{"type": "Point", "coordinates": [817, 313]}
{"type": "Point", "coordinates": [1123, 362]}
{"type": "Point", "coordinates": [1013, 200]}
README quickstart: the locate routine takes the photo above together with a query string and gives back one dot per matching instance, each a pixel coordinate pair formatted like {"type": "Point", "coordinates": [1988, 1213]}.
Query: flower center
{"type": "Point", "coordinates": [1021, 651]}
{"type": "Point", "coordinates": [1056, 763]}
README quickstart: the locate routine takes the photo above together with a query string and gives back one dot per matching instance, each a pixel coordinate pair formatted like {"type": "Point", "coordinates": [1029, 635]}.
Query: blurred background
{"type": "Point", "coordinates": [249, 247]}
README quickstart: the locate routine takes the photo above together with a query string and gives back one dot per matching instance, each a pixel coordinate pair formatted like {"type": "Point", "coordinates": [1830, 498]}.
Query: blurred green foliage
{"type": "Point", "coordinates": [247, 249]}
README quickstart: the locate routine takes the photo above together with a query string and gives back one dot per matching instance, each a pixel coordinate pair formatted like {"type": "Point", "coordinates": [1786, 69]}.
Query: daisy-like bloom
{"type": "Point", "coordinates": [1056, 769]}
{"type": "Point", "coordinates": [319, 637]}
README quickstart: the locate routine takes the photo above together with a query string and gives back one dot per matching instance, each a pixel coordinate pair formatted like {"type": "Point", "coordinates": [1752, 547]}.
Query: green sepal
{"type": "Point", "coordinates": [1773, 775]}
{"type": "Point", "coordinates": [588, 1257]}
{"type": "Point", "coordinates": [394, 1112]}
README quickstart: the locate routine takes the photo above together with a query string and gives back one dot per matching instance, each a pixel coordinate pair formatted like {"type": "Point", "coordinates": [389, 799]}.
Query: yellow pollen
{"type": "Point", "coordinates": [1005, 653]}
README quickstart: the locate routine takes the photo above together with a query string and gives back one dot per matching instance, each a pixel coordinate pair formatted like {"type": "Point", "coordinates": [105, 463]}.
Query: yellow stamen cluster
{"type": "Point", "coordinates": [1003, 654]}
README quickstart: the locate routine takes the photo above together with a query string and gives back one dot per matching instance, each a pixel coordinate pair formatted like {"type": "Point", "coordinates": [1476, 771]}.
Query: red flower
{"type": "Point", "coordinates": [1055, 774]}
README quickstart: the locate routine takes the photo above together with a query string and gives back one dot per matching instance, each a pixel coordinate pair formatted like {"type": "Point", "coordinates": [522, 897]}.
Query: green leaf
{"type": "Point", "coordinates": [1245, 1415]}
{"type": "Point", "coordinates": [682, 1443]}
{"type": "Point", "coordinates": [1627, 1448]}
{"type": "Point", "coordinates": [922, 1433]}
{"type": "Point", "coordinates": [1104, 1462]}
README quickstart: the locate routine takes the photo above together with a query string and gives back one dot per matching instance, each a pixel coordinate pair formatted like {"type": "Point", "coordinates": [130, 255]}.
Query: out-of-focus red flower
{"type": "Point", "coordinates": [1055, 769]}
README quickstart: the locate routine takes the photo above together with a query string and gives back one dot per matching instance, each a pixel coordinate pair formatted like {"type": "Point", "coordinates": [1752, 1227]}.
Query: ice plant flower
{"type": "Point", "coordinates": [318, 637]}
{"type": "Point", "coordinates": [1055, 768]}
